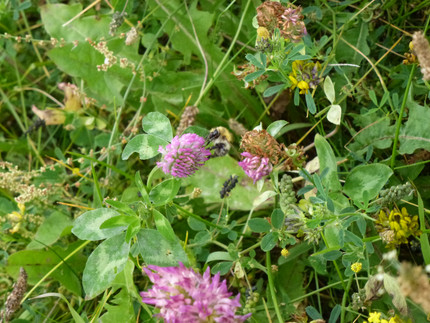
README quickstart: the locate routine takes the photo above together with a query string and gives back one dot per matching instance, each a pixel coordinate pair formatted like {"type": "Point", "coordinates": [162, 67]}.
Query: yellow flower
{"type": "Point", "coordinates": [374, 317]}
{"type": "Point", "coordinates": [284, 252]}
{"type": "Point", "coordinates": [401, 224]}
{"type": "Point", "coordinates": [356, 267]}
{"type": "Point", "coordinates": [304, 75]}
{"type": "Point", "coordinates": [262, 33]}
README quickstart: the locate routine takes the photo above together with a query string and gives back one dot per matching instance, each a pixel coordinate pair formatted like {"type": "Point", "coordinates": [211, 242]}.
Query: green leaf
{"type": "Point", "coordinates": [335, 313]}
{"type": "Point", "coordinates": [327, 160]}
{"type": "Point", "coordinates": [158, 124]}
{"type": "Point", "coordinates": [329, 89]}
{"type": "Point", "coordinates": [37, 263]}
{"type": "Point", "coordinates": [313, 313]}
{"type": "Point", "coordinates": [165, 191]}
{"type": "Point", "coordinates": [392, 287]}
{"type": "Point", "coordinates": [263, 197]}
{"type": "Point", "coordinates": [157, 250]}
{"type": "Point", "coordinates": [358, 38]}
{"type": "Point", "coordinates": [415, 133]}
{"type": "Point", "coordinates": [424, 239]}
{"type": "Point", "coordinates": [120, 221]}
{"type": "Point", "coordinates": [145, 145]}
{"type": "Point", "coordinates": [119, 309]}
{"type": "Point", "coordinates": [212, 176]}
{"type": "Point", "coordinates": [273, 90]}
{"type": "Point", "coordinates": [370, 178]}
{"type": "Point", "coordinates": [120, 206]}
{"type": "Point", "coordinates": [50, 230]}
{"type": "Point", "coordinates": [141, 187]}
{"type": "Point", "coordinates": [252, 76]}
{"type": "Point", "coordinates": [87, 226]}
{"type": "Point", "coordinates": [310, 103]}
{"type": "Point", "coordinates": [372, 97]}
{"type": "Point", "coordinates": [334, 235]}
{"type": "Point", "coordinates": [219, 255]}
{"type": "Point", "coordinates": [277, 218]}
{"type": "Point", "coordinates": [195, 224]}
{"type": "Point", "coordinates": [259, 225]}
{"type": "Point", "coordinates": [275, 127]}
{"type": "Point", "coordinates": [164, 227]}
{"type": "Point", "coordinates": [255, 60]}
{"type": "Point", "coordinates": [334, 114]}
{"type": "Point", "coordinates": [105, 262]}
{"type": "Point", "coordinates": [269, 241]}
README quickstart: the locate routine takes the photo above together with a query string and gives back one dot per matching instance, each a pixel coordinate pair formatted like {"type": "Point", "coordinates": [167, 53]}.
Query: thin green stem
{"type": "Point", "coordinates": [399, 119]}
{"type": "Point", "coordinates": [345, 296]}
{"type": "Point", "coordinates": [272, 287]}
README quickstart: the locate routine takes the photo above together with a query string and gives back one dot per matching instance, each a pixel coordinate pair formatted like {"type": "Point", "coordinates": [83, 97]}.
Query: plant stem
{"type": "Point", "coordinates": [272, 287]}
{"type": "Point", "coordinates": [345, 296]}
{"type": "Point", "coordinates": [399, 119]}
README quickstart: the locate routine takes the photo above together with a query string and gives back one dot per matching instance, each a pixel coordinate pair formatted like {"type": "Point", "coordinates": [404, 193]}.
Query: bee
{"type": "Point", "coordinates": [221, 140]}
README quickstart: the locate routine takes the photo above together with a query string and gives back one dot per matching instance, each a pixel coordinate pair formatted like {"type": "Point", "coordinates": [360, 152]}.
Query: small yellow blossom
{"type": "Point", "coordinates": [356, 267]}
{"type": "Point", "coordinates": [305, 75]}
{"type": "Point", "coordinates": [262, 33]}
{"type": "Point", "coordinates": [401, 224]}
{"type": "Point", "coordinates": [374, 317]}
{"type": "Point", "coordinates": [284, 252]}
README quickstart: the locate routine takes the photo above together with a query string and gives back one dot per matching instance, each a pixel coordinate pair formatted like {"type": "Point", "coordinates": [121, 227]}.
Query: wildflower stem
{"type": "Point", "coordinates": [399, 119]}
{"type": "Point", "coordinates": [345, 296]}
{"type": "Point", "coordinates": [272, 287]}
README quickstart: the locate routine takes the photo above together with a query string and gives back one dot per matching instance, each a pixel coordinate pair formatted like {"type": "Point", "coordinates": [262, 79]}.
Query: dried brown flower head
{"type": "Point", "coordinates": [187, 119]}
{"type": "Point", "coordinates": [13, 301]}
{"type": "Point", "coordinates": [415, 284]}
{"type": "Point", "coordinates": [261, 143]}
{"type": "Point", "coordinates": [269, 13]}
{"type": "Point", "coordinates": [421, 48]}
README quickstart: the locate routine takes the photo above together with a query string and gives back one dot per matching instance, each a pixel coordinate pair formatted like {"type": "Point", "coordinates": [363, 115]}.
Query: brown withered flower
{"type": "Point", "coordinates": [268, 14]}
{"type": "Point", "coordinates": [261, 143]}
{"type": "Point", "coordinates": [187, 119]}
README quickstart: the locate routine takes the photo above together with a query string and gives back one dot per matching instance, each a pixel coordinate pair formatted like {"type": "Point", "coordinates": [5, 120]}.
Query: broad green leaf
{"type": "Point", "coordinates": [157, 250]}
{"type": "Point", "coordinates": [334, 235]}
{"type": "Point", "coordinates": [259, 225]}
{"type": "Point", "coordinates": [145, 145]}
{"type": "Point", "coordinates": [105, 262]}
{"type": "Point", "coordinates": [87, 226]}
{"type": "Point", "coordinates": [120, 206]}
{"type": "Point", "coordinates": [210, 180]}
{"type": "Point", "coordinates": [119, 309]}
{"type": "Point", "coordinates": [335, 313]}
{"type": "Point", "coordinates": [370, 178]}
{"type": "Point", "coordinates": [357, 37]}
{"type": "Point", "coordinates": [269, 241]}
{"type": "Point", "coordinates": [273, 90]}
{"type": "Point", "coordinates": [255, 60]}
{"type": "Point", "coordinates": [277, 218]}
{"type": "Point", "coordinates": [158, 124]}
{"type": "Point", "coordinates": [327, 160]}
{"type": "Point", "coordinates": [219, 255]}
{"type": "Point", "coordinates": [164, 227]}
{"type": "Point", "coordinates": [119, 221]}
{"type": "Point", "coordinates": [55, 15]}
{"type": "Point", "coordinates": [275, 127]}
{"type": "Point", "coordinates": [334, 114]}
{"type": "Point", "coordinates": [313, 313]}
{"type": "Point", "coordinates": [37, 263]}
{"type": "Point", "coordinates": [195, 224]}
{"type": "Point", "coordinates": [50, 230]}
{"type": "Point", "coordinates": [372, 96]}
{"type": "Point", "coordinates": [329, 89]}
{"type": "Point", "coordinates": [415, 133]}
{"type": "Point", "coordinates": [165, 191]}
{"type": "Point", "coordinates": [424, 238]}
{"type": "Point", "coordinates": [252, 76]}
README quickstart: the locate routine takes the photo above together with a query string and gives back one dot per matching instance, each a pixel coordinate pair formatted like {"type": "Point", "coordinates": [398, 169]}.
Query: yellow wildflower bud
{"type": "Point", "coordinates": [356, 267]}
{"type": "Point", "coordinates": [303, 86]}
{"type": "Point", "coordinates": [262, 32]}
{"type": "Point", "coordinates": [284, 252]}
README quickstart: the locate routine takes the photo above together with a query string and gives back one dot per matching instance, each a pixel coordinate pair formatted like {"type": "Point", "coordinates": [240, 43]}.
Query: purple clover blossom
{"type": "Point", "coordinates": [184, 155]}
{"type": "Point", "coordinates": [255, 167]}
{"type": "Point", "coordinates": [184, 296]}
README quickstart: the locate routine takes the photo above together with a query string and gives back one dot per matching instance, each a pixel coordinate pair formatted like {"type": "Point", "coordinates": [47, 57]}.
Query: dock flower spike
{"type": "Point", "coordinates": [184, 155]}
{"type": "Point", "coordinates": [183, 295]}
